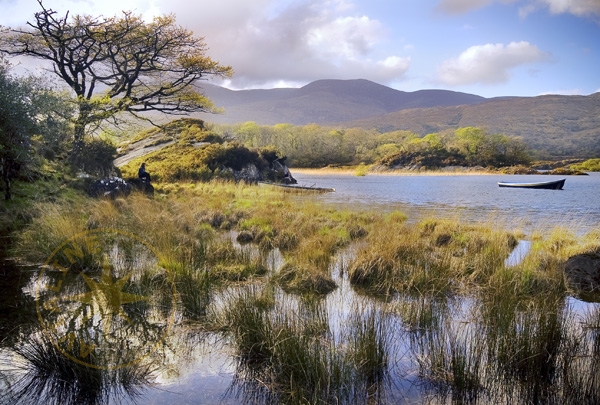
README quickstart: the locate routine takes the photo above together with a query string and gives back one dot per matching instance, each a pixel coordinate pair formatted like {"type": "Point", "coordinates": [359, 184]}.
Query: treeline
{"type": "Point", "coordinates": [316, 146]}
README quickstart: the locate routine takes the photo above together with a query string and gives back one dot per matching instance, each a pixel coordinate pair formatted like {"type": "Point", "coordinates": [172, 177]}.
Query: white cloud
{"type": "Point", "coordinates": [284, 41]}
{"type": "Point", "coordinates": [488, 64]}
{"type": "Point", "coordinates": [570, 92]}
{"type": "Point", "coordinates": [347, 37]}
{"type": "Point", "coordinates": [265, 41]}
{"type": "Point", "coordinates": [577, 7]}
{"type": "Point", "coordinates": [581, 8]}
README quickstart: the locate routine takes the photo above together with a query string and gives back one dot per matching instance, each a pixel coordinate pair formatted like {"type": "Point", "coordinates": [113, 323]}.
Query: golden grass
{"type": "Point", "coordinates": [186, 224]}
{"type": "Point", "coordinates": [433, 256]}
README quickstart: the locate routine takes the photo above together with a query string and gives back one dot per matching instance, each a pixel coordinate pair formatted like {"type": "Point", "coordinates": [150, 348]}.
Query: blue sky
{"type": "Point", "coordinates": [485, 47]}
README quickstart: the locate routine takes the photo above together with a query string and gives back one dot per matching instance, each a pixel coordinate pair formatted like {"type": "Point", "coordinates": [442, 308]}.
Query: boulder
{"type": "Point", "coordinates": [277, 172]}
{"type": "Point", "coordinates": [248, 174]}
{"type": "Point", "coordinates": [582, 275]}
{"type": "Point", "coordinates": [142, 186]}
{"type": "Point", "coordinates": [111, 187]}
{"type": "Point", "coordinates": [281, 173]}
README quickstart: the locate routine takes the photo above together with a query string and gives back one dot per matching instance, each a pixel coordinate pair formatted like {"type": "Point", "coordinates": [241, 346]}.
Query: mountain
{"type": "Point", "coordinates": [324, 102]}
{"type": "Point", "coordinates": [558, 125]}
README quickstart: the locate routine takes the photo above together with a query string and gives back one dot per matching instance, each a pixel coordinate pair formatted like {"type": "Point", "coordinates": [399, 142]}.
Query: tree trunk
{"type": "Point", "coordinates": [5, 167]}
{"type": "Point", "coordinates": [79, 134]}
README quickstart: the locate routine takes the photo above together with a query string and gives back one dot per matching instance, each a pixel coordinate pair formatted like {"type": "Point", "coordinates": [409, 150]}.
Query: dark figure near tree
{"type": "Point", "coordinates": [143, 174]}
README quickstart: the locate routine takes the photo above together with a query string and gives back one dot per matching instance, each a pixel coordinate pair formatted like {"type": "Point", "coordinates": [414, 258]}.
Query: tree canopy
{"type": "Point", "coordinates": [31, 116]}
{"type": "Point", "coordinates": [315, 146]}
{"type": "Point", "coordinates": [119, 64]}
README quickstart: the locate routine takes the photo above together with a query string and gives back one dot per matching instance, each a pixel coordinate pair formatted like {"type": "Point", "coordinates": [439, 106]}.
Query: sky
{"type": "Point", "coordinates": [485, 47]}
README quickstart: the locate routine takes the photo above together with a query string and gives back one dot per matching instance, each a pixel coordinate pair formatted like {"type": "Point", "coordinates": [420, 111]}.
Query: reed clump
{"type": "Point", "coordinates": [451, 359]}
{"type": "Point", "coordinates": [304, 280]}
{"type": "Point", "coordinates": [541, 270]}
{"type": "Point", "coordinates": [293, 354]}
{"type": "Point", "coordinates": [47, 373]}
{"type": "Point", "coordinates": [434, 256]}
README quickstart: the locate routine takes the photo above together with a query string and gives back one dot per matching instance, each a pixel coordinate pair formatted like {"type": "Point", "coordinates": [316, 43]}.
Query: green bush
{"type": "Point", "coordinates": [590, 165]}
{"type": "Point", "coordinates": [96, 157]}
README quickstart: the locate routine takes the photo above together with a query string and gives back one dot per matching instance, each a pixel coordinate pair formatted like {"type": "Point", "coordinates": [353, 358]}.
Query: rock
{"type": "Point", "coordinates": [582, 274]}
{"type": "Point", "coordinates": [278, 172]}
{"type": "Point", "coordinates": [281, 173]}
{"type": "Point", "coordinates": [111, 187]}
{"type": "Point", "coordinates": [142, 186]}
{"type": "Point", "coordinates": [249, 174]}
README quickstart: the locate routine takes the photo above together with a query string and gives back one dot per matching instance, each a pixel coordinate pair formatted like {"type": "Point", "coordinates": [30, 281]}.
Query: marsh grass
{"type": "Point", "coordinates": [370, 335]}
{"type": "Point", "coordinates": [46, 373]}
{"type": "Point", "coordinates": [291, 350]}
{"type": "Point", "coordinates": [541, 270]}
{"type": "Point", "coordinates": [421, 312]}
{"type": "Point", "coordinates": [304, 280]}
{"type": "Point", "coordinates": [195, 291]}
{"type": "Point", "coordinates": [532, 348]}
{"type": "Point", "coordinates": [451, 362]}
{"type": "Point", "coordinates": [437, 257]}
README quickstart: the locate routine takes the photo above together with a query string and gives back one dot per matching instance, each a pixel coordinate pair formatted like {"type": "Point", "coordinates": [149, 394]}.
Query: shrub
{"type": "Point", "coordinates": [590, 165]}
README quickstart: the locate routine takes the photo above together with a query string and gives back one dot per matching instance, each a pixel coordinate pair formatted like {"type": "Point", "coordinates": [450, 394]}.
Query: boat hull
{"type": "Point", "coordinates": [546, 185]}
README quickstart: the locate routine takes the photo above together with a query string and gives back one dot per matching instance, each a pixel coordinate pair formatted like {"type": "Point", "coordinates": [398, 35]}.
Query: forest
{"type": "Point", "coordinates": [316, 146]}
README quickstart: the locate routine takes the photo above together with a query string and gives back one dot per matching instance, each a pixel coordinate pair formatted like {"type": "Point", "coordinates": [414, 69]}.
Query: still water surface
{"type": "Point", "coordinates": [471, 197]}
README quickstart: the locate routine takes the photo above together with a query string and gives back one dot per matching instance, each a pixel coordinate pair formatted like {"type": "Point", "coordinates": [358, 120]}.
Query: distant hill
{"type": "Point", "coordinates": [560, 126]}
{"type": "Point", "coordinates": [324, 102]}
{"type": "Point", "coordinates": [554, 124]}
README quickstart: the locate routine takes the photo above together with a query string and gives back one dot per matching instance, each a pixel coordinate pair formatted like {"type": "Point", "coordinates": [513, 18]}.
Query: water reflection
{"type": "Point", "coordinates": [253, 343]}
{"type": "Point", "coordinates": [40, 372]}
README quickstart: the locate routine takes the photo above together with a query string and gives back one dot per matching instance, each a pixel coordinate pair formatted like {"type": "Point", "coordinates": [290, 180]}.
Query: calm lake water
{"type": "Point", "coordinates": [470, 197]}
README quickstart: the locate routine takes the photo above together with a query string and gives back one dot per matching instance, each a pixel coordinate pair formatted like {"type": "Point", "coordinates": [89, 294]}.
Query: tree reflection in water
{"type": "Point", "coordinates": [43, 373]}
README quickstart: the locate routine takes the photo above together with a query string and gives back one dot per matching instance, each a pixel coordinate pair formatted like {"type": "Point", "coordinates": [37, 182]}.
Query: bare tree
{"type": "Point", "coordinates": [119, 64]}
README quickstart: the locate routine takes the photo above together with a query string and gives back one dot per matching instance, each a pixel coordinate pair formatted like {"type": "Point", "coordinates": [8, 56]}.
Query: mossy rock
{"type": "Point", "coordinates": [582, 276]}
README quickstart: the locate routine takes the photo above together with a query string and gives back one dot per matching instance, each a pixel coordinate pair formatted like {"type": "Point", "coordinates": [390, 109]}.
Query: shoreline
{"type": "Point", "coordinates": [354, 170]}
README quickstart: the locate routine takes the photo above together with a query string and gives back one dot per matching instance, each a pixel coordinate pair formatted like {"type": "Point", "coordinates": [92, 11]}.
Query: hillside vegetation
{"type": "Point", "coordinates": [324, 102]}
{"type": "Point", "coordinates": [185, 150]}
{"type": "Point", "coordinates": [188, 149]}
{"type": "Point", "coordinates": [555, 126]}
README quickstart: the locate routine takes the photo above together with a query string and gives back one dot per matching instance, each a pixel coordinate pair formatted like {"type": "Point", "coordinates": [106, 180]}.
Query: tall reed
{"type": "Point", "coordinates": [48, 374]}
{"type": "Point", "coordinates": [294, 352]}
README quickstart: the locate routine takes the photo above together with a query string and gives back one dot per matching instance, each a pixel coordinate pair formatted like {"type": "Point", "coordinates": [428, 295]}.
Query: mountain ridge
{"type": "Point", "coordinates": [557, 125]}
{"type": "Point", "coordinates": [323, 102]}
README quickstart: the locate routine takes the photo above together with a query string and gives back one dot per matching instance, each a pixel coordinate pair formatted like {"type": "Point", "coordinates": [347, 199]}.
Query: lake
{"type": "Point", "coordinates": [470, 197]}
